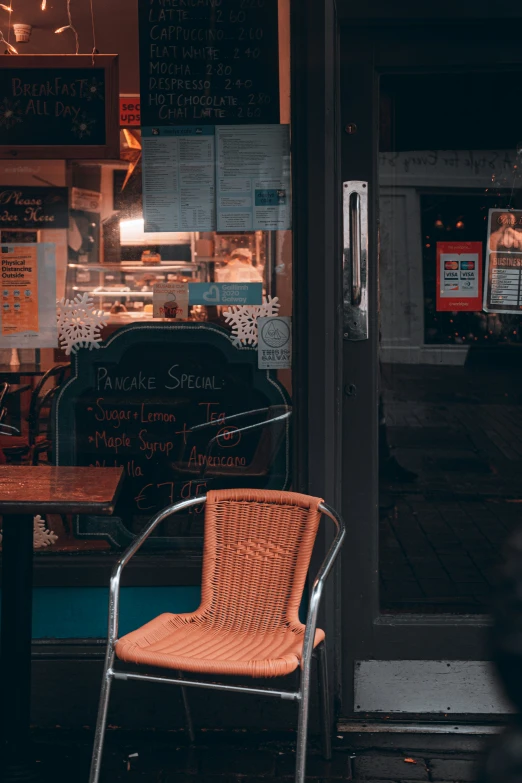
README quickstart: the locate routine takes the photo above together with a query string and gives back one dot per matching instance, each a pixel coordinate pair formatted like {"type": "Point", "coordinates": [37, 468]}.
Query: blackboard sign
{"type": "Point", "coordinates": [59, 106]}
{"type": "Point", "coordinates": [28, 207]}
{"type": "Point", "coordinates": [214, 62]}
{"type": "Point", "coordinates": [150, 400]}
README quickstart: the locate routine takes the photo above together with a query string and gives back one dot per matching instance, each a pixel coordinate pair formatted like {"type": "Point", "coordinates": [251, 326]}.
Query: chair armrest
{"type": "Point", "coordinates": [319, 582]}
{"type": "Point", "coordinates": [114, 589]}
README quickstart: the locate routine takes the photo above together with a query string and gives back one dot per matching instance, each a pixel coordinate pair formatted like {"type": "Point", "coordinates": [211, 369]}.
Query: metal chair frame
{"type": "Point", "coordinates": [301, 696]}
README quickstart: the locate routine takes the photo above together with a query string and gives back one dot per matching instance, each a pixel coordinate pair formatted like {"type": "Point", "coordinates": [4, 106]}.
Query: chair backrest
{"type": "Point", "coordinates": [41, 399]}
{"type": "Point", "coordinates": [258, 545]}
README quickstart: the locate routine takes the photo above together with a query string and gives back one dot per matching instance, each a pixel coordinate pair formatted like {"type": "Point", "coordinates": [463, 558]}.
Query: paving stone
{"type": "Point", "coordinates": [316, 766]}
{"type": "Point", "coordinates": [237, 761]}
{"type": "Point", "coordinates": [177, 777]}
{"type": "Point", "coordinates": [182, 760]}
{"type": "Point", "coordinates": [462, 770]}
{"type": "Point", "coordinates": [403, 591]}
{"type": "Point", "coordinates": [437, 588]}
{"type": "Point", "coordinates": [384, 767]}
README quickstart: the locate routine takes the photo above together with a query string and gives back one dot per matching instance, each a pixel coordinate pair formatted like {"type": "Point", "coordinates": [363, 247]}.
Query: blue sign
{"type": "Point", "coordinates": [225, 293]}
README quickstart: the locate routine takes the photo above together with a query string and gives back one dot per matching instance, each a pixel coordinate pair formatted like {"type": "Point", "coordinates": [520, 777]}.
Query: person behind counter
{"type": "Point", "coordinates": [239, 269]}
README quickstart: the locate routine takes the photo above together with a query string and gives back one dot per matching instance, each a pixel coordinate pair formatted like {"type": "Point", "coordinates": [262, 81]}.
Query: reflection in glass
{"type": "Point", "coordinates": [450, 431]}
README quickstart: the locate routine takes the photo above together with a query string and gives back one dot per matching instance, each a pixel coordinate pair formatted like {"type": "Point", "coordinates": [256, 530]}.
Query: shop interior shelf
{"type": "Point", "coordinates": [174, 266]}
{"type": "Point", "coordinates": [112, 292]}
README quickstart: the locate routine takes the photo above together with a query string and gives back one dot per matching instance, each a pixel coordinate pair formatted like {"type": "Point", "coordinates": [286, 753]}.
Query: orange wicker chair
{"type": "Point", "coordinates": [257, 550]}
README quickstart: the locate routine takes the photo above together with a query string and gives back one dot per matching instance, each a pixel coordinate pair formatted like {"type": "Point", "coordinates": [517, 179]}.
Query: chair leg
{"type": "Point", "coordinates": [324, 700]}
{"type": "Point", "coordinates": [101, 722]}
{"type": "Point", "coordinates": [302, 726]}
{"type": "Point", "coordinates": [188, 715]}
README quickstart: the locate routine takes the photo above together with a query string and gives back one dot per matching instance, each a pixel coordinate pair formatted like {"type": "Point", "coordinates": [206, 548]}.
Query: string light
{"type": "Point", "coordinates": [44, 5]}
{"type": "Point", "coordinates": [10, 47]}
{"type": "Point", "coordinates": [70, 26]}
{"type": "Point", "coordinates": [94, 49]}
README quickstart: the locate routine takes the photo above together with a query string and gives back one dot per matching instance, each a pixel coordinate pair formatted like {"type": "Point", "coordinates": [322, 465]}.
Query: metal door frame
{"type": "Point", "coordinates": [366, 52]}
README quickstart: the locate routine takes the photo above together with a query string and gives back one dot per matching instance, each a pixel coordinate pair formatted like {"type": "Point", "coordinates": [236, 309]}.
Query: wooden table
{"type": "Point", "coordinates": [24, 492]}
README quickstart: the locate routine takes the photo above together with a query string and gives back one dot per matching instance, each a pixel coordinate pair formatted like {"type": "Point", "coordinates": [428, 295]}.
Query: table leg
{"type": "Point", "coordinates": [15, 658]}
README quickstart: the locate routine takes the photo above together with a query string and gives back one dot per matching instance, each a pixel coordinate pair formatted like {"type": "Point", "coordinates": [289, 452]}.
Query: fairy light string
{"type": "Point", "coordinates": [70, 26]}
{"type": "Point", "coordinates": [94, 47]}
{"type": "Point", "coordinates": [10, 48]}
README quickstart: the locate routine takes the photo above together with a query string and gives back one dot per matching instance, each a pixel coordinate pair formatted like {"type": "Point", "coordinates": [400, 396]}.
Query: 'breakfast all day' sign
{"type": "Point", "coordinates": [56, 106]}
{"type": "Point", "coordinates": [46, 106]}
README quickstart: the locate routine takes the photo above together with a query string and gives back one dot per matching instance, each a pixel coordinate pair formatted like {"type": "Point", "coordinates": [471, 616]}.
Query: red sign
{"type": "Point", "coordinates": [459, 276]}
{"type": "Point", "coordinates": [130, 111]}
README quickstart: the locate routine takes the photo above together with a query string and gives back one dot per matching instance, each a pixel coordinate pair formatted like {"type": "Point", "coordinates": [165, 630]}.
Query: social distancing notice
{"type": "Point", "coordinates": [28, 296]}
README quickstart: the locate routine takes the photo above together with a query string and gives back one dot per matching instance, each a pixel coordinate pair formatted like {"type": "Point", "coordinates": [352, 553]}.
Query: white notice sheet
{"type": "Point", "coordinates": [179, 178]}
{"type": "Point", "coordinates": [253, 177]}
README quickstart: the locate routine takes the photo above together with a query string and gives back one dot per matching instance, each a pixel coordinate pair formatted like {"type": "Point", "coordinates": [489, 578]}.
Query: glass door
{"type": "Point", "coordinates": [432, 440]}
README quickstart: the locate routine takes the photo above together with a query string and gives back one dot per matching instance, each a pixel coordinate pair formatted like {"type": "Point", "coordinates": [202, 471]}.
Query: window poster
{"type": "Point", "coordinates": [459, 276]}
{"type": "Point", "coordinates": [253, 178]}
{"type": "Point", "coordinates": [28, 311]}
{"type": "Point", "coordinates": [179, 178]}
{"type": "Point", "coordinates": [170, 300]}
{"type": "Point", "coordinates": [503, 284]}
{"type": "Point", "coordinates": [274, 350]}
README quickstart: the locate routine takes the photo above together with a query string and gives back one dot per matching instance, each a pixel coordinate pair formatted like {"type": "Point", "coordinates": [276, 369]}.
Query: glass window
{"type": "Point", "coordinates": [107, 254]}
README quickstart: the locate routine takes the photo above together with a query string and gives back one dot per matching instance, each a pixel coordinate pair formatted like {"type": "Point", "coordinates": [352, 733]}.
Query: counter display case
{"type": "Point", "coordinates": [124, 290]}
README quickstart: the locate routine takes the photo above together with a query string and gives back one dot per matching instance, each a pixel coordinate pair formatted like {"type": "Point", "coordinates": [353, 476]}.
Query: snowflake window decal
{"type": "Point", "coordinates": [42, 537]}
{"type": "Point", "coordinates": [79, 323]}
{"type": "Point", "coordinates": [243, 319]}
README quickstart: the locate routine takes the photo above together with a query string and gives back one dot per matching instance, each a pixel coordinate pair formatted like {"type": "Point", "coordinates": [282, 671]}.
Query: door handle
{"type": "Point", "coordinates": [355, 260]}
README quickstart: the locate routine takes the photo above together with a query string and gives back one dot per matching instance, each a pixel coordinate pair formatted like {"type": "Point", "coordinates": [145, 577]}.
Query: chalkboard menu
{"type": "Point", "coordinates": [151, 399]}
{"type": "Point", "coordinates": [67, 102]}
{"type": "Point", "coordinates": [209, 62]}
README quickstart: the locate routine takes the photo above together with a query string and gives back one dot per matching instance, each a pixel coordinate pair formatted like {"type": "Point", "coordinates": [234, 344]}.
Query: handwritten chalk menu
{"type": "Point", "coordinates": [212, 62]}
{"type": "Point", "coordinates": [50, 102]}
{"type": "Point", "coordinates": [150, 400]}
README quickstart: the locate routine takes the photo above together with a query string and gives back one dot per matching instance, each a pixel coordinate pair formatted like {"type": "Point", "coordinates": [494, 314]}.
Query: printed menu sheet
{"type": "Point", "coordinates": [503, 283]}
{"type": "Point", "coordinates": [253, 178]}
{"type": "Point", "coordinates": [28, 311]}
{"type": "Point", "coordinates": [179, 178]}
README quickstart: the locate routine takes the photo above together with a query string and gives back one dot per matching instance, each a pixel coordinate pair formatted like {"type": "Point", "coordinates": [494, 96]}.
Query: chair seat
{"type": "Point", "coordinates": [190, 643]}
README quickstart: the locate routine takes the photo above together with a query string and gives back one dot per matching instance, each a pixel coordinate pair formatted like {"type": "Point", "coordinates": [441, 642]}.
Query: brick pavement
{"type": "Point", "coordinates": [238, 757]}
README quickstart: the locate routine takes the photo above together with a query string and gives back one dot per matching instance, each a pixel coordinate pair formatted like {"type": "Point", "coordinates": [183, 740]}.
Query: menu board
{"type": "Point", "coordinates": [209, 63]}
{"type": "Point", "coordinates": [151, 400]}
